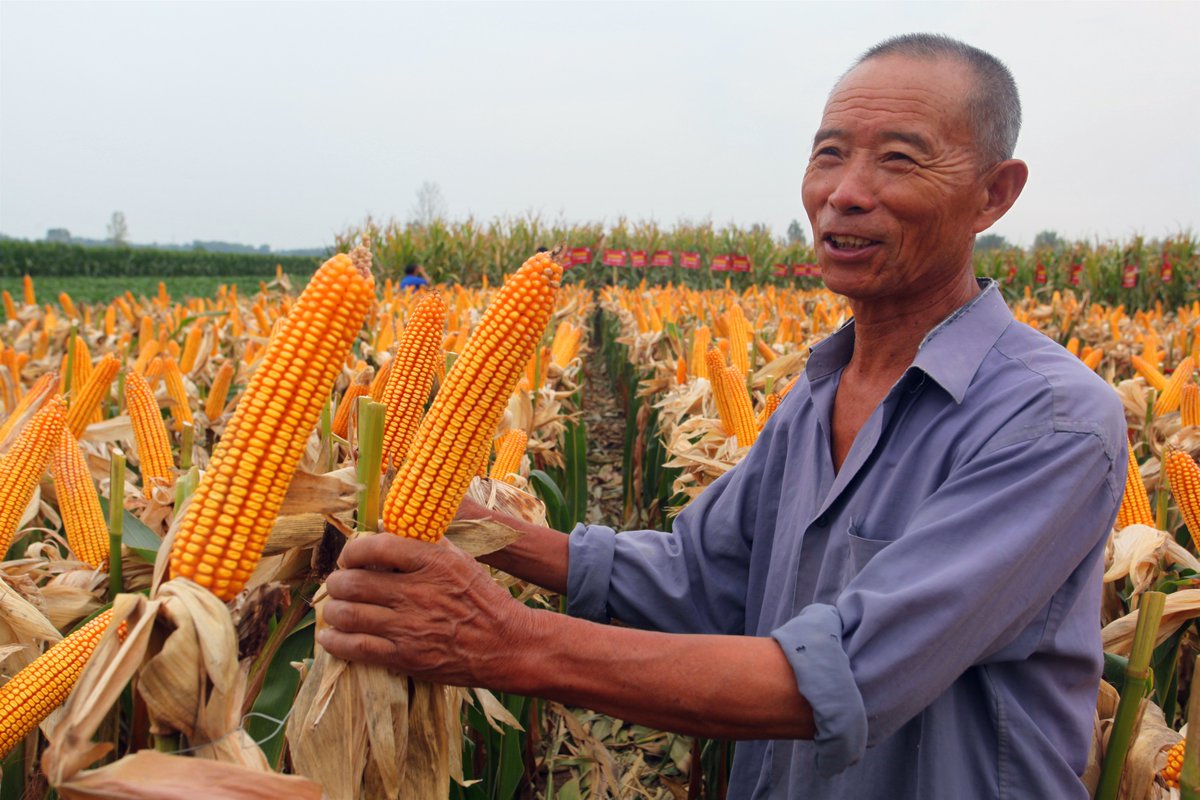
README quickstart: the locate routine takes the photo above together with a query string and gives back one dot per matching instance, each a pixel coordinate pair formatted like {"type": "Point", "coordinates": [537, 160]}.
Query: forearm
{"type": "Point", "coordinates": [539, 556]}
{"type": "Point", "coordinates": [728, 687]}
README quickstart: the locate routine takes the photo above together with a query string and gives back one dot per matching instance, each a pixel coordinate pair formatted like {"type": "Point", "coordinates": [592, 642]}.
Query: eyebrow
{"type": "Point", "coordinates": [915, 139]}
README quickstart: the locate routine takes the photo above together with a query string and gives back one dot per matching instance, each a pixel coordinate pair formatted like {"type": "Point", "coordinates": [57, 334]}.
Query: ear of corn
{"type": "Point", "coordinates": [681, 371]}
{"type": "Point", "coordinates": [1170, 773]}
{"type": "Point", "coordinates": [349, 402]}
{"type": "Point", "coordinates": [1149, 372]}
{"type": "Point", "coordinates": [214, 405]}
{"type": "Point", "coordinates": [769, 407]}
{"type": "Point", "coordinates": [1183, 476]}
{"type": "Point", "coordinates": [1135, 503]}
{"type": "Point", "coordinates": [88, 397]}
{"type": "Point", "coordinates": [150, 434]}
{"type": "Point", "coordinates": [733, 400]}
{"type": "Point", "coordinates": [454, 436]}
{"type": "Point", "coordinates": [510, 449]}
{"type": "Point", "coordinates": [411, 376]}
{"type": "Point", "coordinates": [1189, 404]}
{"type": "Point", "coordinates": [221, 538]}
{"type": "Point", "coordinates": [78, 502]}
{"type": "Point", "coordinates": [180, 403]}
{"type": "Point", "coordinates": [22, 466]}
{"type": "Point", "coordinates": [40, 392]}
{"type": "Point", "coordinates": [44, 684]}
{"type": "Point", "coordinates": [1168, 401]}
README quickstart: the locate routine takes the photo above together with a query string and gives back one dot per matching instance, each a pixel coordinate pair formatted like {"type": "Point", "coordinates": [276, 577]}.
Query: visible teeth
{"type": "Point", "coordinates": [849, 241]}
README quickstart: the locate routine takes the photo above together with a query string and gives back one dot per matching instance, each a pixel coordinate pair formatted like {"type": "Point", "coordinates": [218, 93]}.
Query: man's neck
{"type": "Point", "coordinates": [887, 334]}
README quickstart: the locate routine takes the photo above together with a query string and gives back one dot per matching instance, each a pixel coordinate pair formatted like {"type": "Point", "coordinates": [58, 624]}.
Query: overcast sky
{"type": "Point", "coordinates": [282, 123]}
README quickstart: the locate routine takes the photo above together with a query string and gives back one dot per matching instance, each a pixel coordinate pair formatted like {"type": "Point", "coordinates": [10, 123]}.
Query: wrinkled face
{"type": "Point", "coordinates": [893, 188]}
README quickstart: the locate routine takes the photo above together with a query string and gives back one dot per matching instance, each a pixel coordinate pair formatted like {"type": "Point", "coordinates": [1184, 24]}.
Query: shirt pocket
{"type": "Point", "coordinates": [861, 548]}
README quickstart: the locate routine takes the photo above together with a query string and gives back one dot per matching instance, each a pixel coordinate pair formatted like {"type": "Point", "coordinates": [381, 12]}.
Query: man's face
{"type": "Point", "coordinates": [893, 189]}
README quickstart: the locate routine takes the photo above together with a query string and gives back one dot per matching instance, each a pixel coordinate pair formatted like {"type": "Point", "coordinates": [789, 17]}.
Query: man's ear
{"type": "Point", "coordinates": [1003, 184]}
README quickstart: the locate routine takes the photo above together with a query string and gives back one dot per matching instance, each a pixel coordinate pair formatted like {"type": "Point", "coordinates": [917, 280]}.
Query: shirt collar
{"type": "Point", "coordinates": [950, 360]}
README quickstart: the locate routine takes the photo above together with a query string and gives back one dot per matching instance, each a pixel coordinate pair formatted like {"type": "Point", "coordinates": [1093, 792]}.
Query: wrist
{"type": "Point", "coordinates": [530, 656]}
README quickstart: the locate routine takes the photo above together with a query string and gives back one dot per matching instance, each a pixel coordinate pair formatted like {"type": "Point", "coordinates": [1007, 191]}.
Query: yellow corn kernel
{"type": "Point", "coordinates": [733, 400]}
{"type": "Point", "coordinates": [88, 397]}
{"type": "Point", "coordinates": [410, 376]}
{"type": "Point", "coordinates": [1170, 773]}
{"type": "Point", "coordinates": [44, 684]}
{"type": "Point", "coordinates": [1168, 401]}
{"type": "Point", "coordinates": [1135, 503]}
{"type": "Point", "coordinates": [21, 467]}
{"type": "Point", "coordinates": [150, 434]}
{"type": "Point", "coordinates": [220, 539]}
{"type": "Point", "coordinates": [510, 449]}
{"type": "Point", "coordinates": [78, 502]}
{"type": "Point", "coordinates": [455, 435]}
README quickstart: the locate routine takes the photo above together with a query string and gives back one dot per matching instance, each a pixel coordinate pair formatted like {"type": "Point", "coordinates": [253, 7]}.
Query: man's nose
{"type": "Point", "coordinates": [854, 192]}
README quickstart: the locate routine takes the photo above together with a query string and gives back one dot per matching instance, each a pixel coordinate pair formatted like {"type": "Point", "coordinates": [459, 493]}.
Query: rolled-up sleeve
{"type": "Point", "coordinates": [691, 579]}
{"type": "Point", "coordinates": [922, 610]}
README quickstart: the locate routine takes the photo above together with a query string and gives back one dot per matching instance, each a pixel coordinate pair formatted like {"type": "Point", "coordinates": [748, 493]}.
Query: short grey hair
{"type": "Point", "coordinates": [993, 108]}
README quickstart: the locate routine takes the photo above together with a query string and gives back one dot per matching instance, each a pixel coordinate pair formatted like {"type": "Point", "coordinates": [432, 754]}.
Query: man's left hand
{"type": "Point", "coordinates": [426, 609]}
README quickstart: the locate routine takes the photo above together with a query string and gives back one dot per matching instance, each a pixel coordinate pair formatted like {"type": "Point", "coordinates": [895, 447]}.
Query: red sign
{"type": "Point", "coordinates": [637, 258]}
{"type": "Point", "coordinates": [740, 263]}
{"type": "Point", "coordinates": [720, 263]}
{"type": "Point", "coordinates": [1012, 273]}
{"type": "Point", "coordinates": [781, 270]}
{"type": "Point", "coordinates": [806, 270]}
{"type": "Point", "coordinates": [1039, 275]}
{"type": "Point", "coordinates": [1129, 276]}
{"type": "Point", "coordinates": [689, 260]}
{"type": "Point", "coordinates": [581, 255]}
{"type": "Point", "coordinates": [1076, 271]}
{"type": "Point", "coordinates": [1168, 270]}
{"type": "Point", "coordinates": [662, 258]}
{"type": "Point", "coordinates": [614, 258]}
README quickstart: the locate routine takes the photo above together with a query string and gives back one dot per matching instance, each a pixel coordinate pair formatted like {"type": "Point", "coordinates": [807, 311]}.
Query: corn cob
{"type": "Point", "coordinates": [45, 683]}
{"type": "Point", "coordinates": [349, 402]}
{"type": "Point", "coordinates": [1135, 503]}
{"type": "Point", "coordinates": [733, 401]}
{"type": "Point", "coordinates": [701, 339]}
{"type": "Point", "coordinates": [1183, 476]}
{"type": "Point", "coordinates": [769, 408]}
{"type": "Point", "coordinates": [1189, 405]}
{"type": "Point", "coordinates": [42, 390]}
{"type": "Point", "coordinates": [214, 405]}
{"type": "Point", "coordinates": [510, 449]}
{"type": "Point", "coordinates": [764, 350]}
{"type": "Point", "coordinates": [1149, 372]}
{"type": "Point", "coordinates": [454, 436]}
{"type": "Point", "coordinates": [10, 308]}
{"type": "Point", "coordinates": [411, 376]}
{"type": "Point", "coordinates": [681, 372]}
{"type": "Point", "coordinates": [180, 406]}
{"type": "Point", "coordinates": [380, 381]}
{"type": "Point", "coordinates": [1170, 773]}
{"type": "Point", "coordinates": [191, 347]}
{"type": "Point", "coordinates": [22, 466]}
{"type": "Point", "coordinates": [739, 340]}
{"type": "Point", "coordinates": [1092, 360]}
{"type": "Point", "coordinates": [27, 285]}
{"type": "Point", "coordinates": [78, 502]}
{"type": "Point", "coordinates": [1168, 401]}
{"type": "Point", "coordinates": [153, 445]}
{"type": "Point", "coordinates": [88, 396]}
{"type": "Point", "coordinates": [222, 535]}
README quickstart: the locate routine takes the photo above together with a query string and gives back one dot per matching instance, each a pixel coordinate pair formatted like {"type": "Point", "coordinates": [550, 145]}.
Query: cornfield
{"type": "Point", "coordinates": [179, 475]}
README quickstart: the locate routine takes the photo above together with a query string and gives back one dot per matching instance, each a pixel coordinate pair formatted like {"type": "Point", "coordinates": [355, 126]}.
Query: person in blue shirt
{"type": "Point", "coordinates": [414, 278]}
{"type": "Point", "coordinates": [896, 593]}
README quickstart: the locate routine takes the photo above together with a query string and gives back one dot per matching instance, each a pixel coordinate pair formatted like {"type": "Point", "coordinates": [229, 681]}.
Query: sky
{"type": "Point", "coordinates": [284, 123]}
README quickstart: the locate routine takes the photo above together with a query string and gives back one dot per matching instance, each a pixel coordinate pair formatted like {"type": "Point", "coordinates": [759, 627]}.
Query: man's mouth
{"type": "Point", "coordinates": [845, 242]}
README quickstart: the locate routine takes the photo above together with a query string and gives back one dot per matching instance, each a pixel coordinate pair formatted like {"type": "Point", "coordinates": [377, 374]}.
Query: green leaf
{"type": "Point", "coordinates": [549, 493]}
{"type": "Point", "coordinates": [135, 535]}
{"type": "Point", "coordinates": [274, 700]}
{"type": "Point", "coordinates": [1114, 669]}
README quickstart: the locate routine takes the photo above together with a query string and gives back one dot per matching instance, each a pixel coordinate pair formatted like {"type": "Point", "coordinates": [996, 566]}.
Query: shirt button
{"type": "Point", "coordinates": [822, 521]}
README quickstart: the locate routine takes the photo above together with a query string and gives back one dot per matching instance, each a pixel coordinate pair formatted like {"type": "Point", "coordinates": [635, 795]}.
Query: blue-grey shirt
{"type": "Point", "coordinates": [938, 597]}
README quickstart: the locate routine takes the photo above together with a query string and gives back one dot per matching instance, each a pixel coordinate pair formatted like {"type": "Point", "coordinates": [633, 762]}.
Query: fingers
{"type": "Point", "coordinates": [386, 551]}
{"type": "Point", "coordinates": [358, 646]}
{"type": "Point", "coordinates": [365, 586]}
{"type": "Point", "coordinates": [351, 617]}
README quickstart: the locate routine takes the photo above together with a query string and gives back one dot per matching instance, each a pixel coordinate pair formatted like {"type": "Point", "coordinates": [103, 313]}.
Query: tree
{"type": "Point", "coordinates": [431, 205]}
{"type": "Point", "coordinates": [796, 233]}
{"type": "Point", "coordinates": [118, 231]}
{"type": "Point", "coordinates": [1048, 240]}
{"type": "Point", "coordinates": [991, 241]}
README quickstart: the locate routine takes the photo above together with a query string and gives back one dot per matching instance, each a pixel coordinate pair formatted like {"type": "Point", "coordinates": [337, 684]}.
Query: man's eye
{"type": "Point", "coordinates": [898, 157]}
{"type": "Point", "coordinates": [826, 151]}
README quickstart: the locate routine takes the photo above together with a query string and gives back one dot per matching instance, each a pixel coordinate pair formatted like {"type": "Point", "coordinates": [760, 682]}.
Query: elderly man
{"type": "Point", "coordinates": [896, 593]}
